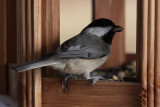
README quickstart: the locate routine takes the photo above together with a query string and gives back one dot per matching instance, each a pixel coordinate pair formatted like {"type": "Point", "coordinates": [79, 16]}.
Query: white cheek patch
{"type": "Point", "coordinates": [99, 31]}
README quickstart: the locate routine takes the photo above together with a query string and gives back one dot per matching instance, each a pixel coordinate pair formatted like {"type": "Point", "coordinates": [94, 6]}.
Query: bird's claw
{"type": "Point", "coordinates": [65, 82]}
{"type": "Point", "coordinates": [94, 82]}
{"type": "Point", "coordinates": [64, 85]}
{"type": "Point", "coordinates": [96, 78]}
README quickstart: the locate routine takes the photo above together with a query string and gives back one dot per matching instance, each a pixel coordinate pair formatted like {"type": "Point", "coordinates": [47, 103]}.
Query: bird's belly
{"type": "Point", "coordinates": [79, 66]}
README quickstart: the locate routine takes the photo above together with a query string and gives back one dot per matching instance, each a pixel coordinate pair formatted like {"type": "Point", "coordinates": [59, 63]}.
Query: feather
{"type": "Point", "coordinates": [34, 64]}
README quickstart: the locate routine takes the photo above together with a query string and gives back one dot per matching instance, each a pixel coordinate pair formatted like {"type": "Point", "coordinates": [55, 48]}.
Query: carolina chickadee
{"type": "Point", "coordinates": [81, 54]}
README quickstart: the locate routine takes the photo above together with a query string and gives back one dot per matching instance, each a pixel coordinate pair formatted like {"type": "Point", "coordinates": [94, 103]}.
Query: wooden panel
{"type": "Point", "coordinates": [82, 93]}
{"type": "Point", "coordinates": [114, 10]}
{"type": "Point", "coordinates": [157, 54]}
{"type": "Point", "coordinates": [142, 20]}
{"type": "Point", "coordinates": [130, 57]}
{"type": "Point", "coordinates": [3, 45]}
{"type": "Point", "coordinates": [50, 30]}
{"type": "Point", "coordinates": [29, 48]}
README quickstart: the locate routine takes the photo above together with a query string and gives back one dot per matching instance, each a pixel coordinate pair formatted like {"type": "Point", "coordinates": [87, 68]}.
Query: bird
{"type": "Point", "coordinates": [80, 54]}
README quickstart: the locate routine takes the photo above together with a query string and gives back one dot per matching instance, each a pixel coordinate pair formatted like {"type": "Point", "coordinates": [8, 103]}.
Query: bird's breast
{"type": "Point", "coordinates": [79, 66]}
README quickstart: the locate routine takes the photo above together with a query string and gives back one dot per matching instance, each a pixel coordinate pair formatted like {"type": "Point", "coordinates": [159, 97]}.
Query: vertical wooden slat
{"type": "Point", "coordinates": [11, 32]}
{"type": "Point", "coordinates": [50, 29]}
{"type": "Point", "coordinates": [144, 43]}
{"type": "Point", "coordinates": [21, 52]}
{"type": "Point", "coordinates": [3, 46]}
{"type": "Point", "coordinates": [47, 33]}
{"type": "Point", "coordinates": [29, 51]}
{"type": "Point", "coordinates": [37, 53]}
{"type": "Point", "coordinates": [113, 10]}
{"type": "Point", "coordinates": [142, 27]}
{"type": "Point", "coordinates": [157, 54]}
{"type": "Point", "coordinates": [29, 48]}
{"type": "Point", "coordinates": [150, 55]}
{"type": "Point", "coordinates": [56, 22]}
{"type": "Point", "coordinates": [12, 84]}
{"type": "Point", "coordinates": [138, 40]}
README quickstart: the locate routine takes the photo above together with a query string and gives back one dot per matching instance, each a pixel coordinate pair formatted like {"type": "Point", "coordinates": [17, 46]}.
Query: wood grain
{"type": "Point", "coordinates": [142, 27]}
{"type": "Point", "coordinates": [138, 40]}
{"type": "Point", "coordinates": [50, 30]}
{"type": "Point", "coordinates": [29, 48]}
{"type": "Point", "coordinates": [144, 43]}
{"type": "Point", "coordinates": [21, 52]}
{"type": "Point", "coordinates": [157, 54]}
{"type": "Point", "coordinates": [81, 93]}
{"type": "Point", "coordinates": [29, 53]}
{"type": "Point", "coordinates": [37, 98]}
{"type": "Point", "coordinates": [150, 53]}
{"type": "Point", "coordinates": [3, 46]}
{"type": "Point", "coordinates": [114, 10]}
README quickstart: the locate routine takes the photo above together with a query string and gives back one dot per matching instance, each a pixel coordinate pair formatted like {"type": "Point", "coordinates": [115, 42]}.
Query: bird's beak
{"type": "Point", "coordinates": [117, 29]}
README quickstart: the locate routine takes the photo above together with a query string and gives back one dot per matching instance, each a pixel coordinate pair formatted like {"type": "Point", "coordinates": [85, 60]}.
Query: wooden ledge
{"type": "Point", "coordinates": [82, 93]}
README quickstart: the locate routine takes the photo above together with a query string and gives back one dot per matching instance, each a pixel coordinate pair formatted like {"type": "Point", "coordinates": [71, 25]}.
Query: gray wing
{"type": "Point", "coordinates": [82, 46]}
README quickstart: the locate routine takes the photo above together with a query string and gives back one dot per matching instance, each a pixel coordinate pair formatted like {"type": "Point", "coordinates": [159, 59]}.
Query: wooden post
{"type": "Point", "coordinates": [50, 30]}
{"type": "Point", "coordinates": [149, 51]}
{"type": "Point", "coordinates": [3, 46]}
{"type": "Point", "coordinates": [142, 28]}
{"type": "Point", "coordinates": [29, 42]}
{"type": "Point", "coordinates": [114, 10]}
{"type": "Point", "coordinates": [150, 55]}
{"type": "Point", "coordinates": [37, 77]}
{"type": "Point", "coordinates": [138, 40]}
{"type": "Point", "coordinates": [21, 52]}
{"type": "Point", "coordinates": [29, 48]}
{"type": "Point", "coordinates": [157, 54]}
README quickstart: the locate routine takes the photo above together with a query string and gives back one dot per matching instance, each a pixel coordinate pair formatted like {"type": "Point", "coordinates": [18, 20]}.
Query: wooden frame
{"type": "Point", "coordinates": [26, 18]}
{"type": "Point", "coordinates": [29, 26]}
{"type": "Point", "coordinates": [81, 93]}
{"type": "Point", "coordinates": [29, 34]}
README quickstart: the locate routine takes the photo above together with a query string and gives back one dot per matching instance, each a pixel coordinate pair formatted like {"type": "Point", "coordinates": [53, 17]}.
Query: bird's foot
{"type": "Point", "coordinates": [65, 81]}
{"type": "Point", "coordinates": [96, 78]}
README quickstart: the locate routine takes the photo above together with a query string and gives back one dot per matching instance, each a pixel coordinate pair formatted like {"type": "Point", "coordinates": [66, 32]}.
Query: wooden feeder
{"type": "Point", "coordinates": [38, 32]}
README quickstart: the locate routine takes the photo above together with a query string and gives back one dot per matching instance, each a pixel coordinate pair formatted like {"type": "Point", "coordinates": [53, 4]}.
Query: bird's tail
{"type": "Point", "coordinates": [34, 64]}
